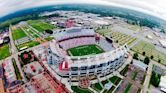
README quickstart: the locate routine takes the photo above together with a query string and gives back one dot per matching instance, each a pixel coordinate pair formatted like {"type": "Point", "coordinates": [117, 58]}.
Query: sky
{"type": "Point", "coordinates": [153, 7]}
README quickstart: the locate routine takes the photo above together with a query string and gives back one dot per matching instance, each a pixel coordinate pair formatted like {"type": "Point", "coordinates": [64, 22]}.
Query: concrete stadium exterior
{"type": "Point", "coordinates": [88, 65]}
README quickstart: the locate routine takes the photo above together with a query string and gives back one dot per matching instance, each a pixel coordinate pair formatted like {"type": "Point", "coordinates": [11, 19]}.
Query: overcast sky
{"type": "Point", "coordinates": [153, 7]}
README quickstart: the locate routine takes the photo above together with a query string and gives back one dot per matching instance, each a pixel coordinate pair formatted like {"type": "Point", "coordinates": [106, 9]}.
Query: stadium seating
{"type": "Point", "coordinates": [77, 42]}
{"type": "Point", "coordinates": [105, 45]}
{"type": "Point", "coordinates": [73, 33]}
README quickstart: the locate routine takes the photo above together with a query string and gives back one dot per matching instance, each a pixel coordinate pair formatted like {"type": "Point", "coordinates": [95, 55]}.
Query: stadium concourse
{"type": "Point", "coordinates": [71, 55]}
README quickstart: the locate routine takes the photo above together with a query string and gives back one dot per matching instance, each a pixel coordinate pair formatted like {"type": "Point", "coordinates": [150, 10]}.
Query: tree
{"type": "Point", "coordinates": [117, 41]}
{"type": "Point", "coordinates": [146, 60]}
{"type": "Point", "coordinates": [159, 60]}
{"type": "Point", "coordinates": [155, 79]}
{"type": "Point", "coordinates": [143, 53]}
{"type": "Point", "coordinates": [151, 57]}
{"type": "Point", "coordinates": [49, 31]}
{"type": "Point", "coordinates": [135, 56]}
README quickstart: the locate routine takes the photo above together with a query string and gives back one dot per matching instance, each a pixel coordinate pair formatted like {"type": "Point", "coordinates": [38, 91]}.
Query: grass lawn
{"type": "Point", "coordinates": [117, 37]}
{"type": "Point", "coordinates": [134, 74]}
{"type": "Point", "coordinates": [31, 32]}
{"type": "Point", "coordinates": [105, 91]}
{"type": "Point", "coordinates": [40, 26]}
{"type": "Point", "coordinates": [128, 88]}
{"type": "Point", "coordinates": [77, 89]}
{"type": "Point", "coordinates": [18, 33]}
{"type": "Point", "coordinates": [155, 79]}
{"type": "Point", "coordinates": [85, 50]}
{"type": "Point", "coordinates": [4, 51]}
{"type": "Point", "coordinates": [115, 80]}
{"type": "Point", "coordinates": [122, 38]}
{"type": "Point", "coordinates": [49, 38]}
{"type": "Point", "coordinates": [104, 82]}
{"type": "Point", "coordinates": [143, 79]}
{"type": "Point", "coordinates": [103, 31]}
{"type": "Point", "coordinates": [97, 87]}
{"type": "Point", "coordinates": [17, 71]}
{"type": "Point", "coordinates": [124, 71]}
{"type": "Point", "coordinates": [133, 27]}
{"type": "Point", "coordinates": [111, 89]}
{"type": "Point", "coordinates": [28, 44]}
{"type": "Point", "coordinates": [149, 50]}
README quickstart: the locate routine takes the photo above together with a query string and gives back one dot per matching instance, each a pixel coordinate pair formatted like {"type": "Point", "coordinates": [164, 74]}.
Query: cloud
{"type": "Point", "coordinates": [153, 7]}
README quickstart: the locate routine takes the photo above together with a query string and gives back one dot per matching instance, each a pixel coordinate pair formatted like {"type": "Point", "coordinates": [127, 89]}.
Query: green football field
{"type": "Point", "coordinates": [40, 26]}
{"type": "Point", "coordinates": [85, 50]}
{"type": "Point", "coordinates": [18, 33]}
{"type": "Point", "coordinates": [4, 51]}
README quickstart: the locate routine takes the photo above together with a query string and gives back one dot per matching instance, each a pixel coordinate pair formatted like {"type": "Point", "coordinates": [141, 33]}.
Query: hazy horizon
{"type": "Point", "coordinates": [152, 7]}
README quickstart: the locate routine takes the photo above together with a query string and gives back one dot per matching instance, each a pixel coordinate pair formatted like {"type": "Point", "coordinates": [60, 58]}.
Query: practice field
{"type": "Point", "coordinates": [30, 32]}
{"type": "Point", "coordinates": [85, 50]}
{"type": "Point", "coordinates": [150, 50]}
{"type": "Point", "coordinates": [28, 44]}
{"type": "Point", "coordinates": [117, 37]}
{"type": "Point", "coordinates": [4, 51]}
{"type": "Point", "coordinates": [18, 33]}
{"type": "Point", "coordinates": [40, 26]}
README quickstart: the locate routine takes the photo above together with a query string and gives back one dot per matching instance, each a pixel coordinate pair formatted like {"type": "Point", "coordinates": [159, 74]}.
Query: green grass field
{"type": "Point", "coordinates": [115, 80]}
{"type": "Point", "coordinates": [134, 74]}
{"type": "Point", "coordinates": [18, 33]}
{"type": "Point", "coordinates": [77, 89]}
{"type": "Point", "coordinates": [31, 32]}
{"type": "Point", "coordinates": [104, 82]}
{"type": "Point", "coordinates": [111, 90]}
{"type": "Point", "coordinates": [128, 88]}
{"type": "Point", "coordinates": [85, 50]}
{"type": "Point", "coordinates": [97, 87]}
{"type": "Point", "coordinates": [49, 38]}
{"type": "Point", "coordinates": [28, 44]}
{"type": "Point", "coordinates": [149, 50]}
{"type": "Point", "coordinates": [4, 51]}
{"type": "Point", "coordinates": [118, 37]}
{"type": "Point", "coordinates": [135, 28]}
{"type": "Point", "coordinates": [40, 26]}
{"type": "Point", "coordinates": [18, 74]}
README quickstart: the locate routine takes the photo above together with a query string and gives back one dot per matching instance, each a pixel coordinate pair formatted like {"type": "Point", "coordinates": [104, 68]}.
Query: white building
{"type": "Point", "coordinates": [163, 83]}
{"type": "Point", "coordinates": [140, 64]}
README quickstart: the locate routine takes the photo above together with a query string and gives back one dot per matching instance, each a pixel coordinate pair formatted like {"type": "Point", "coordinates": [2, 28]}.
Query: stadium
{"type": "Point", "coordinates": [79, 52]}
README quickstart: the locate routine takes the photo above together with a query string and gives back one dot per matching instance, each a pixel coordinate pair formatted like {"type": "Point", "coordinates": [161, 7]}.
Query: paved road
{"type": "Point", "coordinates": [148, 76]}
{"type": "Point", "coordinates": [12, 45]}
{"type": "Point", "coordinates": [133, 82]}
{"type": "Point", "coordinates": [140, 38]}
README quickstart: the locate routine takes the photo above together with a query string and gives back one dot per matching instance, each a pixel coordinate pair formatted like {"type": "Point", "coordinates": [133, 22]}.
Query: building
{"type": "Point", "coordinates": [163, 42]}
{"type": "Point", "coordinates": [2, 89]}
{"type": "Point", "coordinates": [88, 65]}
{"type": "Point", "coordinates": [140, 64]}
{"type": "Point", "coordinates": [162, 84]}
{"type": "Point", "coordinates": [41, 83]}
{"type": "Point", "coordinates": [9, 71]}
